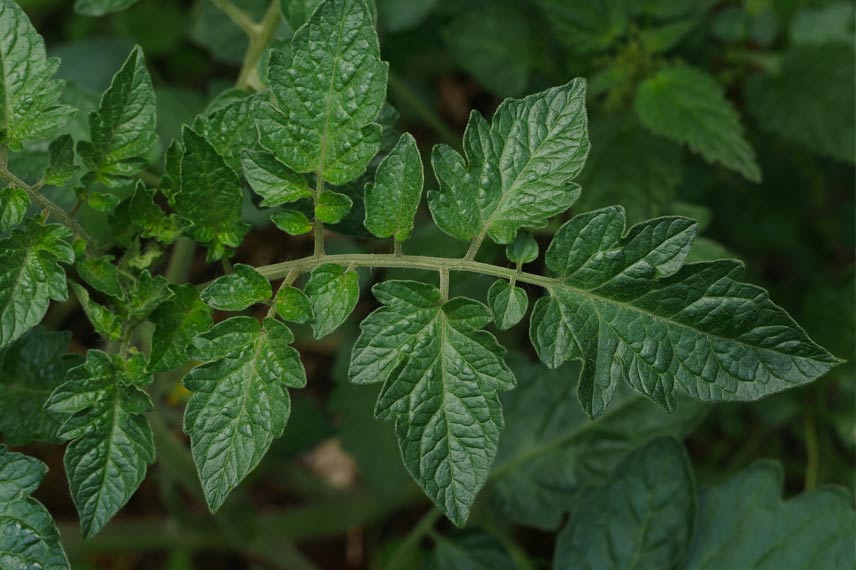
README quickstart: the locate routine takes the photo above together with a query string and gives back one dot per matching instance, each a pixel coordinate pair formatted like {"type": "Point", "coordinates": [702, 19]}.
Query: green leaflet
{"type": "Point", "coordinates": [441, 376]}
{"type": "Point", "coordinates": [507, 303]}
{"type": "Point", "coordinates": [517, 170]}
{"type": "Point", "coordinates": [494, 45]}
{"type": "Point", "coordinates": [148, 216]}
{"type": "Point", "coordinates": [474, 549]}
{"type": "Point", "coordinates": [231, 129]}
{"type": "Point", "coordinates": [61, 165]}
{"type": "Point", "coordinates": [811, 530]}
{"type": "Point", "coordinates": [122, 130]}
{"type": "Point", "coordinates": [586, 26]}
{"type": "Point", "coordinates": [30, 369]}
{"type": "Point", "coordinates": [102, 7]}
{"type": "Point", "coordinates": [30, 275]}
{"type": "Point", "coordinates": [642, 516]}
{"type": "Point", "coordinates": [239, 403]}
{"type": "Point", "coordinates": [292, 222]}
{"type": "Point", "coordinates": [105, 321]}
{"type": "Point", "coordinates": [331, 207]}
{"type": "Point", "coordinates": [333, 293]}
{"type": "Point", "coordinates": [630, 166]}
{"type": "Point", "coordinates": [29, 538]}
{"type": "Point", "coordinates": [13, 206]}
{"type": "Point", "coordinates": [209, 197]}
{"type": "Point", "coordinates": [110, 441]}
{"type": "Point", "coordinates": [630, 311]}
{"type": "Point", "coordinates": [392, 201]}
{"type": "Point", "coordinates": [272, 180]}
{"type": "Point", "coordinates": [145, 294]}
{"type": "Point", "coordinates": [293, 305]}
{"type": "Point", "coordinates": [177, 322]}
{"type": "Point", "coordinates": [329, 86]}
{"type": "Point", "coordinates": [550, 449]}
{"type": "Point", "coordinates": [30, 108]}
{"type": "Point", "coordinates": [686, 105]}
{"type": "Point", "coordinates": [237, 291]}
{"type": "Point", "coordinates": [102, 274]}
{"type": "Point", "coordinates": [524, 249]}
{"type": "Point", "coordinates": [810, 100]}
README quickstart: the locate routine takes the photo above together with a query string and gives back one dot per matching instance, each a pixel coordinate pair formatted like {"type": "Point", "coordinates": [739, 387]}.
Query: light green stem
{"type": "Point", "coordinates": [261, 36]}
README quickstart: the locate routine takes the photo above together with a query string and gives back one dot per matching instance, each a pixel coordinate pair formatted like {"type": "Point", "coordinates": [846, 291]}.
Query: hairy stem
{"type": "Point", "coordinates": [261, 36]}
{"type": "Point", "coordinates": [306, 264]}
{"type": "Point", "coordinates": [52, 209]}
{"type": "Point", "coordinates": [319, 225]}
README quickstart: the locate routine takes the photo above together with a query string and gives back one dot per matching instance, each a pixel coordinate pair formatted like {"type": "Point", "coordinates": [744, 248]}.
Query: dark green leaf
{"type": "Point", "coordinates": [392, 201]}
{"type": "Point", "coordinates": [102, 7]}
{"type": "Point", "coordinates": [507, 303]}
{"type": "Point", "coordinates": [13, 206]}
{"type": "Point", "coordinates": [236, 292]}
{"type": "Point", "coordinates": [293, 305]}
{"type": "Point", "coordinates": [177, 322]}
{"type": "Point", "coordinates": [523, 249]}
{"type": "Point", "coordinates": [61, 165]}
{"type": "Point", "coordinates": [331, 207]}
{"type": "Point", "coordinates": [292, 222]}
{"type": "Point", "coordinates": [272, 180]}
{"type": "Point", "coordinates": [102, 275]}
{"type": "Point", "coordinates": [474, 549]}
{"type": "Point", "coordinates": [105, 321]}
{"type": "Point", "coordinates": [333, 293]}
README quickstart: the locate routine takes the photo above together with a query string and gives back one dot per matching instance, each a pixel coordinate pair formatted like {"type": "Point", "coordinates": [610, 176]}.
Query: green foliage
{"type": "Point", "coordinates": [111, 443]}
{"type": "Point", "coordinates": [644, 330]}
{"type": "Point", "coordinates": [687, 106]}
{"type": "Point", "coordinates": [29, 538]}
{"type": "Point", "coordinates": [239, 403]}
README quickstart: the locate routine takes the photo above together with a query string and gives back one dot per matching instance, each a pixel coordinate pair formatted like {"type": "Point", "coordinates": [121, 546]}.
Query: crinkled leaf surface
{"type": "Point", "coordinates": [209, 197]}
{"type": "Point", "coordinates": [30, 275]}
{"type": "Point", "coordinates": [517, 170]}
{"type": "Point", "coordinates": [507, 303]}
{"type": "Point", "coordinates": [231, 129]}
{"type": "Point", "coordinates": [105, 322]}
{"type": "Point", "coordinates": [122, 130]}
{"type": "Point", "coordinates": [13, 206]}
{"type": "Point", "coordinates": [333, 293]}
{"type": "Point", "coordinates": [293, 305]}
{"type": "Point", "coordinates": [239, 403]}
{"type": "Point", "coordinates": [30, 369]}
{"type": "Point", "coordinates": [688, 106]}
{"type": "Point", "coordinates": [331, 207]}
{"type": "Point", "coordinates": [292, 222]}
{"type": "Point", "coordinates": [392, 201]}
{"type": "Point", "coordinates": [177, 322]}
{"type": "Point", "coordinates": [744, 523]}
{"type": "Point", "coordinates": [328, 86]}
{"type": "Point", "coordinates": [238, 290]}
{"type": "Point", "coordinates": [550, 448]}
{"type": "Point", "coordinates": [628, 307]}
{"type": "Point", "coordinates": [102, 274]}
{"type": "Point", "coordinates": [111, 442]}
{"type": "Point", "coordinates": [810, 99]}
{"type": "Point", "coordinates": [441, 376]}
{"type": "Point", "coordinates": [272, 180]}
{"type": "Point", "coordinates": [29, 538]}
{"type": "Point", "coordinates": [29, 106]}
{"type": "Point", "coordinates": [641, 518]}
{"type": "Point", "coordinates": [61, 165]}
{"type": "Point", "coordinates": [524, 248]}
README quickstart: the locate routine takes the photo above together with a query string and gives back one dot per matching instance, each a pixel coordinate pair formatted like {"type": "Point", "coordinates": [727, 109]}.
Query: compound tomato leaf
{"type": "Point", "coordinates": [30, 96]}
{"type": "Point", "coordinates": [812, 529]}
{"type": "Point", "coordinates": [209, 197]}
{"type": "Point", "coordinates": [517, 170]}
{"type": "Point", "coordinates": [333, 293]}
{"type": "Point", "coordinates": [239, 403]}
{"type": "Point", "coordinates": [13, 207]}
{"type": "Point", "coordinates": [628, 307]}
{"type": "Point", "coordinates": [272, 180]}
{"type": "Point", "coordinates": [392, 201]}
{"type": "Point", "coordinates": [122, 129]}
{"type": "Point", "coordinates": [687, 105]}
{"type": "Point", "coordinates": [507, 303]}
{"type": "Point", "coordinates": [177, 322]}
{"type": "Point", "coordinates": [28, 535]}
{"type": "Point", "coordinates": [329, 86]}
{"type": "Point", "coordinates": [30, 275]}
{"type": "Point", "coordinates": [237, 291]}
{"type": "Point", "coordinates": [441, 376]}
{"type": "Point", "coordinates": [30, 369]}
{"type": "Point", "coordinates": [645, 511]}
{"type": "Point", "coordinates": [111, 442]}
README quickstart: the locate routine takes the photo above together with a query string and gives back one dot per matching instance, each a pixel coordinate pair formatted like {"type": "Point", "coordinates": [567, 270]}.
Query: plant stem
{"type": "Point", "coordinates": [319, 225]}
{"type": "Point", "coordinates": [237, 15]}
{"type": "Point", "coordinates": [423, 527]}
{"type": "Point", "coordinates": [180, 260]}
{"type": "Point", "coordinates": [261, 35]}
{"type": "Point", "coordinates": [306, 264]}
{"type": "Point", "coordinates": [52, 209]}
{"type": "Point", "coordinates": [444, 284]}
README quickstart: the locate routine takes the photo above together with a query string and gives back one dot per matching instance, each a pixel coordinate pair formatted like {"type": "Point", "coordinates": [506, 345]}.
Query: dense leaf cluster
{"type": "Point", "coordinates": [639, 318]}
